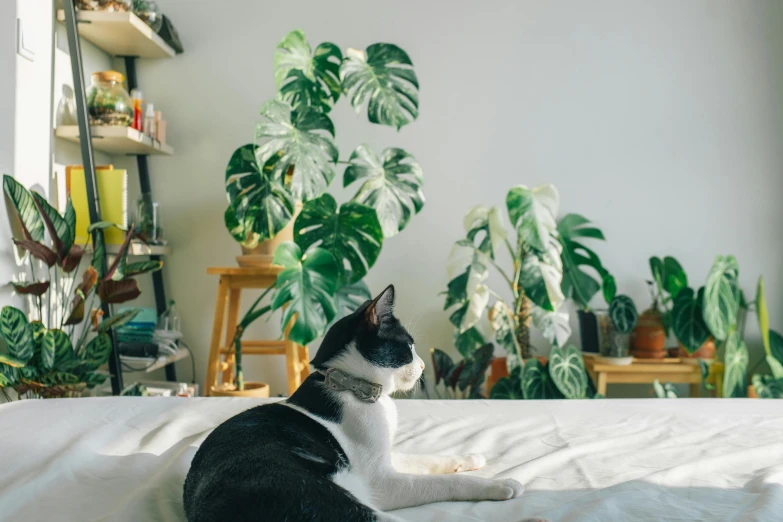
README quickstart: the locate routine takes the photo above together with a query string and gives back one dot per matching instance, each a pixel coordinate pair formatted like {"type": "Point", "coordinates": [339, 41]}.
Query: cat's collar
{"type": "Point", "coordinates": [338, 380]}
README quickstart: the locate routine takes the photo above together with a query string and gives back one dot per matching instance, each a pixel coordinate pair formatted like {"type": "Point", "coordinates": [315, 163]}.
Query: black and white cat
{"type": "Point", "coordinates": [325, 453]}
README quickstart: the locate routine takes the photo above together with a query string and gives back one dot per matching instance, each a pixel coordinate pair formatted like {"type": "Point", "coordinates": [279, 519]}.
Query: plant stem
{"type": "Point", "coordinates": [505, 276]}
{"type": "Point", "coordinates": [238, 354]}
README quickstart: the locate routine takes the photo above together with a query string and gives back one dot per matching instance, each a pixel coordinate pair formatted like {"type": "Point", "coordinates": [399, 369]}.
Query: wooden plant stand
{"type": "Point", "coordinates": [644, 371]}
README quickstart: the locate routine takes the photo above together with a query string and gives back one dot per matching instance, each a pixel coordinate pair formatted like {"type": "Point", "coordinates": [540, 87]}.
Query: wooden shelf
{"type": "Point", "coordinates": [116, 140]}
{"type": "Point", "coordinates": [138, 248]}
{"type": "Point", "coordinates": [120, 34]}
{"type": "Point", "coordinates": [146, 364]}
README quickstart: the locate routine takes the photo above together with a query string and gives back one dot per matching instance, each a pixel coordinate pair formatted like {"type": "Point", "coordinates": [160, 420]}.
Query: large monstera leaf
{"type": "Point", "coordinates": [352, 235]}
{"type": "Point", "coordinates": [307, 285]}
{"type": "Point", "coordinates": [17, 333]}
{"type": "Point", "coordinates": [383, 77]}
{"type": "Point", "coordinates": [305, 78]}
{"type": "Point", "coordinates": [392, 187]}
{"type": "Point", "coordinates": [687, 320]}
{"type": "Point", "coordinates": [735, 378]}
{"type": "Point", "coordinates": [32, 225]}
{"type": "Point", "coordinates": [468, 269]}
{"type": "Point", "coordinates": [532, 213]}
{"type": "Point", "coordinates": [578, 284]}
{"type": "Point", "coordinates": [721, 297]}
{"type": "Point", "coordinates": [567, 370]}
{"type": "Point", "coordinates": [303, 140]}
{"type": "Point", "coordinates": [259, 206]}
{"type": "Point", "coordinates": [487, 222]}
{"type": "Point", "coordinates": [541, 280]}
{"type": "Point", "coordinates": [554, 326]}
{"type": "Point", "coordinates": [350, 297]}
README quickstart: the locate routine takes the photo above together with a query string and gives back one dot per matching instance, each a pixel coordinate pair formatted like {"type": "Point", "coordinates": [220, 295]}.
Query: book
{"type": "Point", "coordinates": [113, 194]}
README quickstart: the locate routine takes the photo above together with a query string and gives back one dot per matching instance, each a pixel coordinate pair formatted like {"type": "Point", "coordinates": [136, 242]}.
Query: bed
{"type": "Point", "coordinates": [125, 459]}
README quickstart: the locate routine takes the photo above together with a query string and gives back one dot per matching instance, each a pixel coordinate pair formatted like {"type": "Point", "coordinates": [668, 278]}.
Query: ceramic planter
{"type": "Point", "coordinates": [263, 254]}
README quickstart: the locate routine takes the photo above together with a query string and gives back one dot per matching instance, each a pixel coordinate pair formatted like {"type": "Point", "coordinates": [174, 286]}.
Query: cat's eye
{"type": "Point", "coordinates": [413, 347]}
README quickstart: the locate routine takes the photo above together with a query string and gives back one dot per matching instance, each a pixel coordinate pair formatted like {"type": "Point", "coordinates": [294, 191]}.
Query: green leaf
{"type": "Point", "coordinates": [393, 185]}
{"type": "Point", "coordinates": [259, 205]}
{"type": "Point", "coordinates": [8, 375]}
{"type": "Point", "coordinates": [503, 324]}
{"type": "Point", "coordinates": [468, 341]}
{"type": "Point", "coordinates": [11, 361]}
{"type": "Point", "coordinates": [351, 235]}
{"type": "Point", "coordinates": [62, 235]}
{"type": "Point", "coordinates": [489, 222]}
{"type": "Point", "coordinates": [567, 370]}
{"type": "Point", "coordinates": [536, 383]}
{"type": "Point", "coordinates": [306, 285]}
{"type": "Point", "coordinates": [721, 300]}
{"type": "Point", "coordinates": [349, 298]}
{"type": "Point", "coordinates": [673, 276]}
{"type": "Point", "coordinates": [541, 282]}
{"type": "Point", "coordinates": [442, 364]}
{"type": "Point", "coordinates": [93, 379]}
{"type": "Point", "coordinates": [687, 321]}
{"type": "Point", "coordinates": [100, 225]}
{"type": "Point", "coordinates": [57, 349]}
{"type": "Point", "coordinates": [467, 289]}
{"type": "Point", "coordinates": [776, 346]}
{"type": "Point", "coordinates": [17, 333]}
{"type": "Point", "coordinates": [578, 284]}
{"type": "Point", "coordinates": [303, 140]}
{"type": "Point", "coordinates": [25, 208]}
{"type": "Point", "coordinates": [623, 313]}
{"type": "Point", "coordinates": [735, 378]}
{"type": "Point", "coordinates": [665, 391]}
{"type": "Point", "coordinates": [306, 79]}
{"type": "Point", "coordinates": [767, 387]}
{"type": "Point", "coordinates": [70, 216]}
{"type": "Point", "coordinates": [38, 251]}
{"type": "Point", "coordinates": [118, 320]}
{"type": "Point", "coordinates": [142, 267]}
{"type": "Point", "coordinates": [532, 213]}
{"type": "Point", "coordinates": [506, 389]}
{"type": "Point", "coordinates": [763, 315]}
{"type": "Point", "coordinates": [475, 370]}
{"type": "Point", "coordinates": [383, 75]}
{"type": "Point", "coordinates": [554, 326]}
{"type": "Point", "coordinates": [99, 255]}
{"type": "Point", "coordinates": [57, 378]}
{"type": "Point", "coordinates": [98, 350]}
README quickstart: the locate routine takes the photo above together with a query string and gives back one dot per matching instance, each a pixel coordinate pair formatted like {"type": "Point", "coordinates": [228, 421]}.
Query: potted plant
{"type": "Point", "coordinates": [580, 263]}
{"type": "Point", "coordinates": [615, 330]}
{"type": "Point", "coordinates": [461, 380]}
{"type": "Point", "coordinates": [58, 349]}
{"type": "Point", "coordinates": [654, 324]}
{"type": "Point", "coordinates": [294, 160]}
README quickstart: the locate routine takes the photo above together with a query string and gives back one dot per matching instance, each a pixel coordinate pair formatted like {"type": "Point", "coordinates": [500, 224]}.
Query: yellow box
{"type": "Point", "coordinates": [113, 193]}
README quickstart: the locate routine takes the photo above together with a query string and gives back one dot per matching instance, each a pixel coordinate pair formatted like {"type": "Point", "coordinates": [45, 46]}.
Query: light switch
{"type": "Point", "coordinates": [23, 48]}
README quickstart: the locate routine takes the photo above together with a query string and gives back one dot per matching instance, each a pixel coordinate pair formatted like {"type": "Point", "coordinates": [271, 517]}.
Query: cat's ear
{"type": "Point", "coordinates": [380, 307]}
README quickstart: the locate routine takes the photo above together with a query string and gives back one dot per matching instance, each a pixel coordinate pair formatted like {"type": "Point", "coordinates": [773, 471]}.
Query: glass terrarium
{"type": "Point", "coordinates": [104, 5]}
{"type": "Point", "coordinates": [108, 101]}
{"type": "Point", "coordinates": [612, 343]}
{"type": "Point", "coordinates": [149, 12]}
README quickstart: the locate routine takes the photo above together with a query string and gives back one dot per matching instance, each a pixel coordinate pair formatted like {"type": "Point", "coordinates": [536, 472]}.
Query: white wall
{"type": "Point", "coordinates": [661, 121]}
{"type": "Point", "coordinates": [7, 118]}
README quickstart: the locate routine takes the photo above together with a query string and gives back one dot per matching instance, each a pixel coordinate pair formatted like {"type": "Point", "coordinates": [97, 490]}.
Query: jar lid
{"type": "Point", "coordinates": [108, 76]}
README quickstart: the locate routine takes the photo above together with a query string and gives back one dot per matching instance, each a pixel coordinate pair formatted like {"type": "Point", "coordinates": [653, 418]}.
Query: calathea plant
{"type": "Point", "coordinates": [59, 348]}
{"type": "Point", "coordinates": [294, 160]}
{"type": "Point", "coordinates": [460, 380]}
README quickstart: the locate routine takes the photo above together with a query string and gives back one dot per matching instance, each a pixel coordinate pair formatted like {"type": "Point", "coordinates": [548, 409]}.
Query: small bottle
{"type": "Point", "coordinates": [169, 320]}
{"type": "Point", "coordinates": [158, 118]}
{"type": "Point", "coordinates": [149, 121]}
{"type": "Point", "coordinates": [138, 113]}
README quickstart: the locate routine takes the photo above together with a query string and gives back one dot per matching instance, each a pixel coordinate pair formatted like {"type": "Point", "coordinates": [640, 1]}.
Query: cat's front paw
{"type": "Point", "coordinates": [507, 489]}
{"type": "Point", "coordinates": [469, 463]}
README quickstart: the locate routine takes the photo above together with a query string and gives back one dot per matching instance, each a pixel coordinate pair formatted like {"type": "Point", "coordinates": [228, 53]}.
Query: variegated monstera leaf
{"type": "Point", "coordinates": [467, 293]}
{"type": "Point", "coordinates": [486, 224]}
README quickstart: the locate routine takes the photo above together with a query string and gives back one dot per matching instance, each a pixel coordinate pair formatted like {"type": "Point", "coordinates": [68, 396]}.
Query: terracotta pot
{"type": "Point", "coordinates": [252, 389]}
{"type": "Point", "coordinates": [497, 370]}
{"type": "Point", "coordinates": [752, 392]}
{"type": "Point", "coordinates": [650, 354]}
{"type": "Point", "coordinates": [265, 251]}
{"type": "Point", "coordinates": [649, 334]}
{"type": "Point", "coordinates": [705, 351]}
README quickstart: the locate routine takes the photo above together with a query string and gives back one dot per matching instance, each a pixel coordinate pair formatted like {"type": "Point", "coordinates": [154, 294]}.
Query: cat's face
{"type": "Point", "coordinates": [372, 344]}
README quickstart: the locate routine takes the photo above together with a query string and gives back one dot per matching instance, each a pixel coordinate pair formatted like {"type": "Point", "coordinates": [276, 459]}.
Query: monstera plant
{"type": "Point", "coordinates": [294, 161]}
{"type": "Point", "coordinates": [58, 349]}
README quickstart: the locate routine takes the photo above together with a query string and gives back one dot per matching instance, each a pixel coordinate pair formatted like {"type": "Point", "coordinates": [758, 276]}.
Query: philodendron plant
{"type": "Point", "coordinates": [534, 278]}
{"type": "Point", "coordinates": [294, 159]}
{"type": "Point", "coordinates": [58, 349]}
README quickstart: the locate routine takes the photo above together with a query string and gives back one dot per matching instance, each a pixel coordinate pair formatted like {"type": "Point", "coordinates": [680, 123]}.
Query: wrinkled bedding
{"type": "Point", "coordinates": [125, 459]}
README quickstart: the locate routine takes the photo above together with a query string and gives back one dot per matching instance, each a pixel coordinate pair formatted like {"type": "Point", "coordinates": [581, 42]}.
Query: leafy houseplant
{"type": "Point", "coordinates": [617, 325]}
{"type": "Point", "coordinates": [57, 351]}
{"type": "Point", "coordinates": [294, 161]}
{"type": "Point", "coordinates": [461, 380]}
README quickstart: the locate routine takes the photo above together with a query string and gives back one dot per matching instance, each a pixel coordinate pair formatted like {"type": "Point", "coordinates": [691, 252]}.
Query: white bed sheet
{"type": "Point", "coordinates": [124, 459]}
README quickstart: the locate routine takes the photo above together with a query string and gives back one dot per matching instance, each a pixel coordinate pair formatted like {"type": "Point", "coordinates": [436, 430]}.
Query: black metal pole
{"type": "Point", "coordinates": [88, 159]}
{"type": "Point", "coordinates": [146, 188]}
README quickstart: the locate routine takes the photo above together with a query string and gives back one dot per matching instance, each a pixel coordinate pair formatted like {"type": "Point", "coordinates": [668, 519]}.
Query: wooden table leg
{"type": "Point", "coordinates": [695, 390]}
{"type": "Point", "coordinates": [292, 360]}
{"type": "Point", "coordinates": [601, 384]}
{"type": "Point", "coordinates": [217, 329]}
{"type": "Point", "coordinates": [234, 300]}
{"type": "Point", "coordinates": [304, 360]}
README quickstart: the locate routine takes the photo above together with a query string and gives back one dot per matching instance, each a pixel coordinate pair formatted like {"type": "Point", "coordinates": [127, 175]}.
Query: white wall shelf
{"type": "Point", "coordinates": [120, 34]}
{"type": "Point", "coordinates": [117, 140]}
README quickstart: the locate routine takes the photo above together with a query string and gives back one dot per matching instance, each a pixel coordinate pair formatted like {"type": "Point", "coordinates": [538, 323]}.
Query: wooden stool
{"type": "Point", "coordinates": [232, 281]}
{"type": "Point", "coordinates": [644, 371]}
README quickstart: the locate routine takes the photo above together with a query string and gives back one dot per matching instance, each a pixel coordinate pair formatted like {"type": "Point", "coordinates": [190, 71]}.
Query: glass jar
{"type": "Point", "coordinates": [108, 101]}
{"type": "Point", "coordinates": [104, 5]}
{"type": "Point", "coordinates": [612, 343]}
{"type": "Point", "coordinates": [149, 12]}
